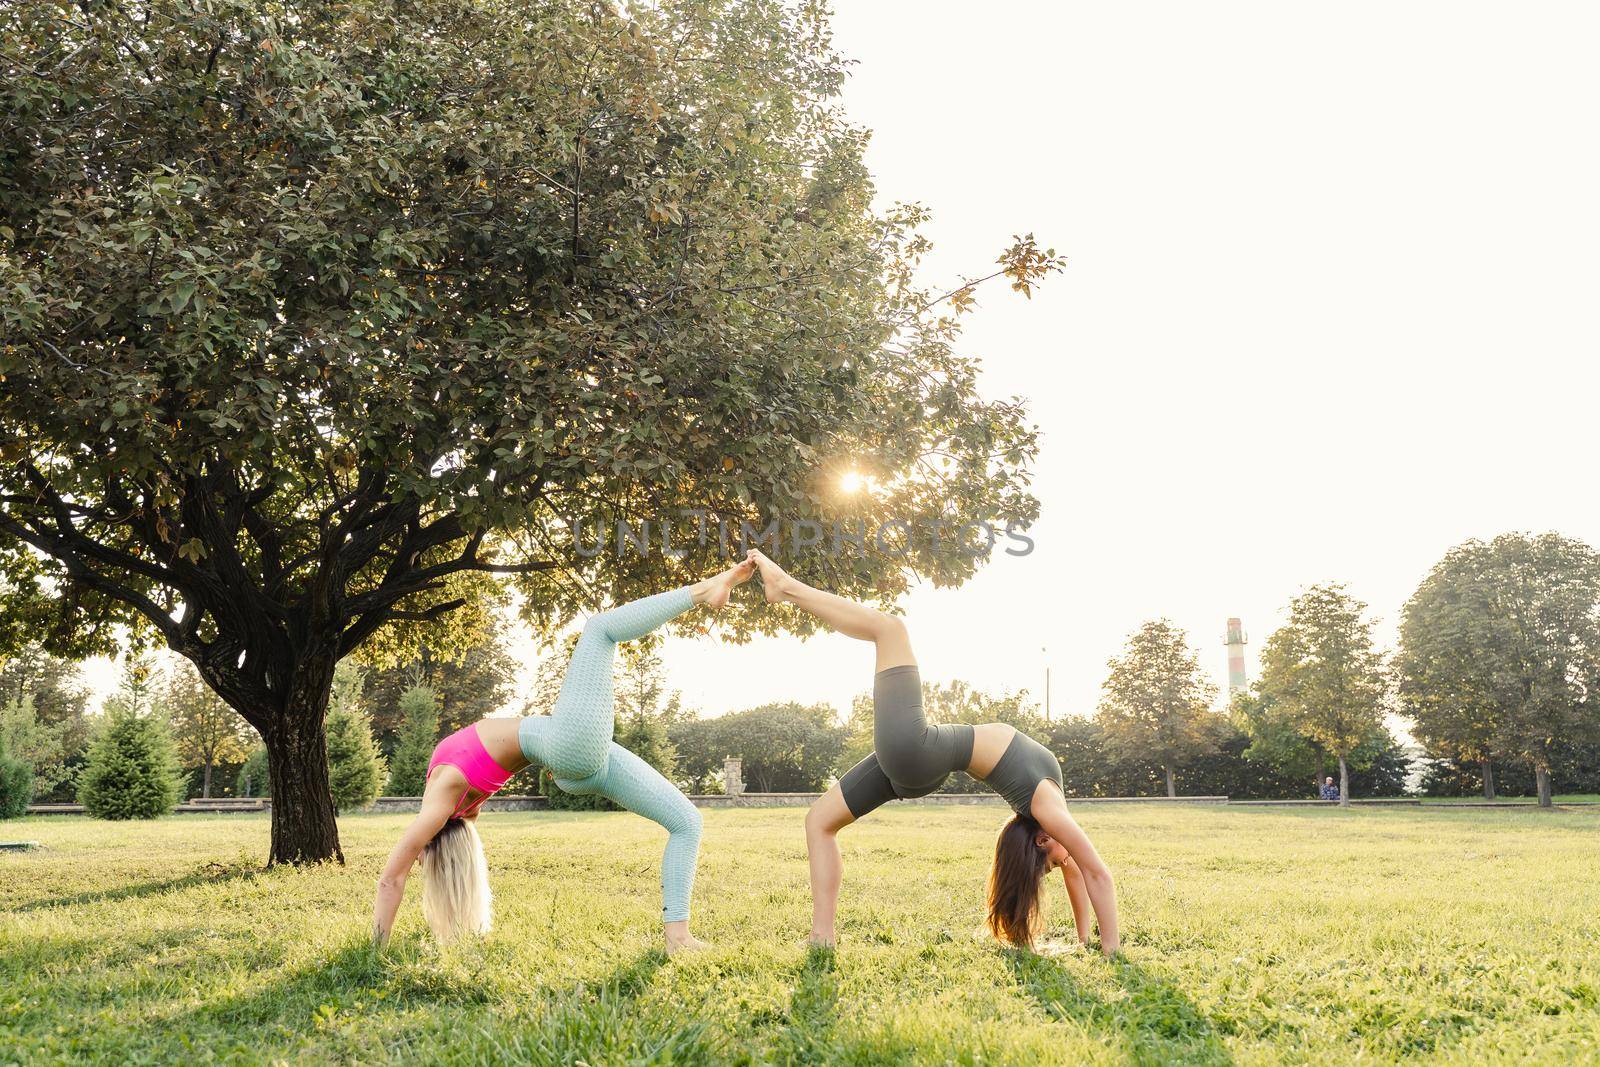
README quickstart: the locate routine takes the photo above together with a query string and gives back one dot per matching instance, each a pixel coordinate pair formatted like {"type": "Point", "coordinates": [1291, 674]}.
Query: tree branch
{"type": "Point", "coordinates": [81, 572]}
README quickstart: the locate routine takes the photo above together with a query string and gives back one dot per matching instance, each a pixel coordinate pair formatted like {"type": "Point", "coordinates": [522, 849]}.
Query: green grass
{"type": "Point", "coordinates": [1268, 936]}
{"type": "Point", "coordinates": [1558, 798]}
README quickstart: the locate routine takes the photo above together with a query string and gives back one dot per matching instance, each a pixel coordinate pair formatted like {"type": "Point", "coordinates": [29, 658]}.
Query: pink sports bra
{"type": "Point", "coordinates": [464, 751]}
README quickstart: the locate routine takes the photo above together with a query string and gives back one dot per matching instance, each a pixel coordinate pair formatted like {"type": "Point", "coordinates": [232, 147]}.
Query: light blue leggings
{"type": "Point", "coordinates": [574, 741]}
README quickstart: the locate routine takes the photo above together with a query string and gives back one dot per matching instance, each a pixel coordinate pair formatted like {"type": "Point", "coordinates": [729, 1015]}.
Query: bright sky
{"type": "Point", "coordinates": [1329, 308]}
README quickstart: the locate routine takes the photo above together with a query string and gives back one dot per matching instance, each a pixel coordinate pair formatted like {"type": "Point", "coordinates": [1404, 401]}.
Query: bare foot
{"type": "Point", "coordinates": [686, 943]}
{"type": "Point", "coordinates": [774, 579]}
{"type": "Point", "coordinates": [715, 591]}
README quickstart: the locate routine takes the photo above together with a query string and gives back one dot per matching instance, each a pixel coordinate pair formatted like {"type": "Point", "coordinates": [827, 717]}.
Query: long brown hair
{"type": "Point", "coordinates": [1015, 903]}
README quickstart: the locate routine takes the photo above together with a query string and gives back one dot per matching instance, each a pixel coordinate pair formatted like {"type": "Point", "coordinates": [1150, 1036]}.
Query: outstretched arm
{"type": "Point", "coordinates": [438, 800]}
{"type": "Point", "coordinates": [1050, 810]}
{"type": "Point", "coordinates": [1078, 894]}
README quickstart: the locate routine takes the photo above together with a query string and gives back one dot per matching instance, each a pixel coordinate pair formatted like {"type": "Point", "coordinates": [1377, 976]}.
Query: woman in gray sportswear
{"type": "Point", "coordinates": [913, 758]}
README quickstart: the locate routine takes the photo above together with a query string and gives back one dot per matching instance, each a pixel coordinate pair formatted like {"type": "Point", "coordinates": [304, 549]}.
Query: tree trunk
{"type": "Point", "coordinates": [1172, 784]}
{"type": "Point", "coordinates": [1541, 775]}
{"type": "Point", "coordinates": [1344, 784]}
{"type": "Point", "coordinates": [205, 784]}
{"type": "Point", "coordinates": [303, 826]}
{"type": "Point", "coordinates": [1488, 780]}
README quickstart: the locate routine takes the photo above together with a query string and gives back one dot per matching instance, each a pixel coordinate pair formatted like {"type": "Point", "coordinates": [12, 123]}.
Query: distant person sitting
{"type": "Point", "coordinates": [1329, 790]}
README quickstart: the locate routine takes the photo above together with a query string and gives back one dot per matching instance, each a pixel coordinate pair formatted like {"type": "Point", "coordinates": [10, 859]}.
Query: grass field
{"type": "Point", "coordinates": [1269, 936]}
{"type": "Point", "coordinates": [1558, 798]}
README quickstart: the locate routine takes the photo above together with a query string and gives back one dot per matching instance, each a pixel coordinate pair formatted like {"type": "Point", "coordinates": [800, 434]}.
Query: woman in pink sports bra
{"type": "Point", "coordinates": [574, 742]}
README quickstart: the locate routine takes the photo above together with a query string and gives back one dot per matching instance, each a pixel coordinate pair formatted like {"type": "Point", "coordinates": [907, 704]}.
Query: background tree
{"type": "Point", "coordinates": [132, 770]}
{"type": "Point", "coordinates": [42, 747]}
{"type": "Point", "coordinates": [254, 781]}
{"type": "Point", "coordinates": [1275, 740]}
{"type": "Point", "coordinates": [1321, 669]}
{"type": "Point", "coordinates": [50, 682]}
{"type": "Point", "coordinates": [1439, 679]}
{"type": "Point", "coordinates": [298, 351]}
{"type": "Point", "coordinates": [1381, 766]}
{"type": "Point", "coordinates": [698, 747]}
{"type": "Point", "coordinates": [1156, 702]}
{"type": "Point", "coordinates": [356, 771]}
{"type": "Point", "coordinates": [419, 733]}
{"type": "Point", "coordinates": [1088, 767]}
{"type": "Point", "coordinates": [1544, 645]}
{"type": "Point", "coordinates": [206, 730]}
{"type": "Point", "coordinates": [16, 783]}
{"type": "Point", "coordinates": [1291, 763]}
{"type": "Point", "coordinates": [1501, 651]}
{"type": "Point", "coordinates": [1575, 768]}
{"type": "Point", "coordinates": [60, 727]}
{"type": "Point", "coordinates": [1227, 771]}
{"type": "Point", "coordinates": [469, 683]}
{"type": "Point", "coordinates": [784, 748]}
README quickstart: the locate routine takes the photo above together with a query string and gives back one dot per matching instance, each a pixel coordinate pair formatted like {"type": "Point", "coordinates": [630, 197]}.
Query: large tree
{"type": "Point", "coordinates": [1500, 652]}
{"type": "Point", "coordinates": [1155, 703]}
{"type": "Point", "coordinates": [321, 318]}
{"type": "Point", "coordinates": [1321, 669]}
{"type": "Point", "coordinates": [1439, 678]}
{"type": "Point", "coordinates": [132, 771]}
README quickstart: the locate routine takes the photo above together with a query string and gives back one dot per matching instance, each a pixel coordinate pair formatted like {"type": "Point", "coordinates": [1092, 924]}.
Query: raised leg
{"type": "Point", "coordinates": [582, 719]}
{"type": "Point", "coordinates": [581, 722]}
{"type": "Point", "coordinates": [850, 618]}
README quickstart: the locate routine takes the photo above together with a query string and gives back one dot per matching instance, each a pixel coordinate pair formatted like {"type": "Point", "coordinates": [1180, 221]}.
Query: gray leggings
{"type": "Point", "coordinates": [913, 758]}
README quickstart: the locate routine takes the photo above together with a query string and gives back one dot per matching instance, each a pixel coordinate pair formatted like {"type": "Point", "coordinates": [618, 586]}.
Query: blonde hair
{"type": "Point", "coordinates": [455, 882]}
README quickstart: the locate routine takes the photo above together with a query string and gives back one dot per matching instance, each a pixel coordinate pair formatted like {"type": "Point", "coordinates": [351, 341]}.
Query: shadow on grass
{"type": "Point", "coordinates": [630, 979]}
{"type": "Point", "coordinates": [807, 1035]}
{"type": "Point", "coordinates": [356, 970]}
{"type": "Point", "coordinates": [1155, 1022]}
{"type": "Point", "coordinates": [211, 872]}
{"type": "Point", "coordinates": [444, 1006]}
{"type": "Point", "coordinates": [608, 1020]}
